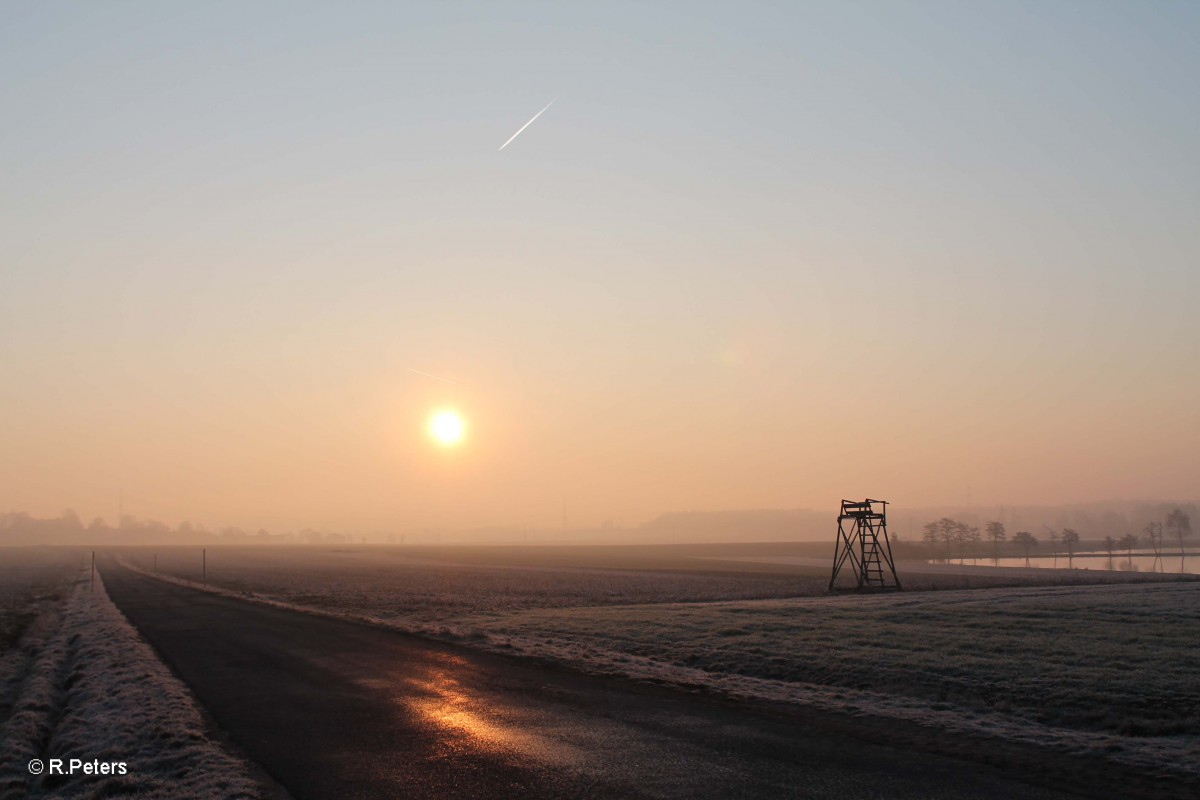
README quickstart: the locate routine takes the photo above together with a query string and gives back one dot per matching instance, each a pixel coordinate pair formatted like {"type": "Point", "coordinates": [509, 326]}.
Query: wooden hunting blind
{"type": "Point", "coordinates": [862, 539]}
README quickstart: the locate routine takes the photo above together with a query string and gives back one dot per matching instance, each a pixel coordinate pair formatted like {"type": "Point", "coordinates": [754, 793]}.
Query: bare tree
{"type": "Point", "coordinates": [1154, 537]}
{"type": "Point", "coordinates": [956, 535]}
{"type": "Point", "coordinates": [1179, 521]}
{"type": "Point", "coordinates": [1026, 540]}
{"type": "Point", "coordinates": [971, 534]}
{"type": "Point", "coordinates": [1129, 541]}
{"type": "Point", "coordinates": [954, 532]}
{"type": "Point", "coordinates": [995, 533]}
{"type": "Point", "coordinates": [1110, 545]}
{"type": "Point", "coordinates": [945, 530]}
{"type": "Point", "coordinates": [1070, 538]}
{"type": "Point", "coordinates": [932, 535]}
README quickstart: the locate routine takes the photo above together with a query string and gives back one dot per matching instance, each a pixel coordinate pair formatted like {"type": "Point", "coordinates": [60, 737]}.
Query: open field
{"type": "Point", "coordinates": [1095, 663]}
{"type": "Point", "coordinates": [1113, 659]}
{"type": "Point", "coordinates": [455, 586]}
{"type": "Point", "coordinates": [433, 587]}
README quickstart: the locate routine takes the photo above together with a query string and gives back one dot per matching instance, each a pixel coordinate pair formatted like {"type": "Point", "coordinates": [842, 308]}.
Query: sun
{"type": "Point", "coordinates": [447, 427]}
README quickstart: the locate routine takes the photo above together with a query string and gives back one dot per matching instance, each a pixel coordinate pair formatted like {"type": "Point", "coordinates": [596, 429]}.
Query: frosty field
{"type": "Point", "coordinates": [458, 586]}
{"type": "Point", "coordinates": [31, 581]}
{"type": "Point", "coordinates": [1106, 668]}
{"type": "Point", "coordinates": [1115, 659]}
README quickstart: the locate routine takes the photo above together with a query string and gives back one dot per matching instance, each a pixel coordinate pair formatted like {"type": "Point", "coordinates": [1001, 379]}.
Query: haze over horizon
{"type": "Point", "coordinates": [752, 257]}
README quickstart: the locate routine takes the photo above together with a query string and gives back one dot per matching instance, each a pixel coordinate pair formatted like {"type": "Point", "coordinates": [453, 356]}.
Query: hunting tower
{"type": "Point", "coordinates": [862, 539]}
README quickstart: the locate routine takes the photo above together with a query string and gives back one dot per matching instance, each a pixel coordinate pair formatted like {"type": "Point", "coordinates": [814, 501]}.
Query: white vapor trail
{"type": "Point", "coordinates": [527, 124]}
{"type": "Point", "coordinates": [435, 377]}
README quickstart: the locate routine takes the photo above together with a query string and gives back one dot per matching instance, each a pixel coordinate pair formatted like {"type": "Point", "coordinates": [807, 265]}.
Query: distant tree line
{"type": "Point", "coordinates": [19, 528]}
{"type": "Point", "coordinates": [948, 538]}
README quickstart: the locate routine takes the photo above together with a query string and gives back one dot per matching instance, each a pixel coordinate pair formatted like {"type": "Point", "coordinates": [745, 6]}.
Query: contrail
{"type": "Point", "coordinates": [526, 125]}
{"type": "Point", "coordinates": [435, 377]}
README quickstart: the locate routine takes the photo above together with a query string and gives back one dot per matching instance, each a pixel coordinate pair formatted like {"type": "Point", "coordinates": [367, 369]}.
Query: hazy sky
{"type": "Point", "coordinates": [754, 255]}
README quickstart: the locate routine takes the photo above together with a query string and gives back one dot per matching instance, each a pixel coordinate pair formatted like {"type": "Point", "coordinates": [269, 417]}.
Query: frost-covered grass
{"type": "Point", "coordinates": [1111, 670]}
{"type": "Point", "coordinates": [88, 687]}
{"type": "Point", "coordinates": [392, 582]}
{"type": "Point", "coordinates": [1118, 659]}
{"type": "Point", "coordinates": [458, 586]}
{"type": "Point", "coordinates": [34, 584]}
{"type": "Point", "coordinates": [31, 579]}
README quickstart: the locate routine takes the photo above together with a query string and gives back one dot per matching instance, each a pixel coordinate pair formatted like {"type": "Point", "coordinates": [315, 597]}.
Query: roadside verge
{"type": "Point", "coordinates": [97, 714]}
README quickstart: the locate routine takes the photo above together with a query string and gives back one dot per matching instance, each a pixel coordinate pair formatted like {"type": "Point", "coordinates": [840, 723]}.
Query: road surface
{"type": "Point", "coordinates": [335, 709]}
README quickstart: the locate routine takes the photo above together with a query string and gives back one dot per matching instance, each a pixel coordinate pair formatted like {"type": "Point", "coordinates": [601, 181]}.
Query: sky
{"type": "Point", "coordinates": [754, 255]}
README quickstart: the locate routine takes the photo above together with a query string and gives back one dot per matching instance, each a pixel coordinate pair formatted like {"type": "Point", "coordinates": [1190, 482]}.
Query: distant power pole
{"type": "Point", "coordinates": [92, 586]}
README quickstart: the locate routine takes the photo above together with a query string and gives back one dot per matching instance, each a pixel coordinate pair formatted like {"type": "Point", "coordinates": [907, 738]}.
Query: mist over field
{"type": "Point", "coordinates": [1094, 521]}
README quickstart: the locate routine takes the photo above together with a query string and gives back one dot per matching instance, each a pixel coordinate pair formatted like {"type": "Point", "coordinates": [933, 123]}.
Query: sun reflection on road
{"type": "Point", "coordinates": [478, 720]}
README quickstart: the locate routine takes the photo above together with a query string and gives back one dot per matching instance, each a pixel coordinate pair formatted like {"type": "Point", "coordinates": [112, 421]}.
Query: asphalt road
{"type": "Point", "coordinates": [334, 709]}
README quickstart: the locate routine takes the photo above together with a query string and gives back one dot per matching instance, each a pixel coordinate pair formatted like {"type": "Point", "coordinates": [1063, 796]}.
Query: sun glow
{"type": "Point", "coordinates": [447, 428]}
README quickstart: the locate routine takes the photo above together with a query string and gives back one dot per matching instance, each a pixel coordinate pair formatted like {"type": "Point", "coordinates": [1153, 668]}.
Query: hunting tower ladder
{"type": "Point", "coordinates": [862, 539]}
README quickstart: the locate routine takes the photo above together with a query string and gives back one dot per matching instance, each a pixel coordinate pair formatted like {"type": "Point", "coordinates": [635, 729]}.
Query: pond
{"type": "Point", "coordinates": [1140, 562]}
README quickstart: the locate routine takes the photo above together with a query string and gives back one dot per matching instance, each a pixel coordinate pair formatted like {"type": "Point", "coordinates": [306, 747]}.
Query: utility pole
{"type": "Point", "coordinates": [204, 566]}
{"type": "Point", "coordinates": [92, 587]}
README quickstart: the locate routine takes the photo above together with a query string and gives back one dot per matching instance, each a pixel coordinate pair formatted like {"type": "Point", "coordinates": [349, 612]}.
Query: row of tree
{"type": "Point", "coordinates": [19, 528]}
{"type": "Point", "coordinates": [957, 537]}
